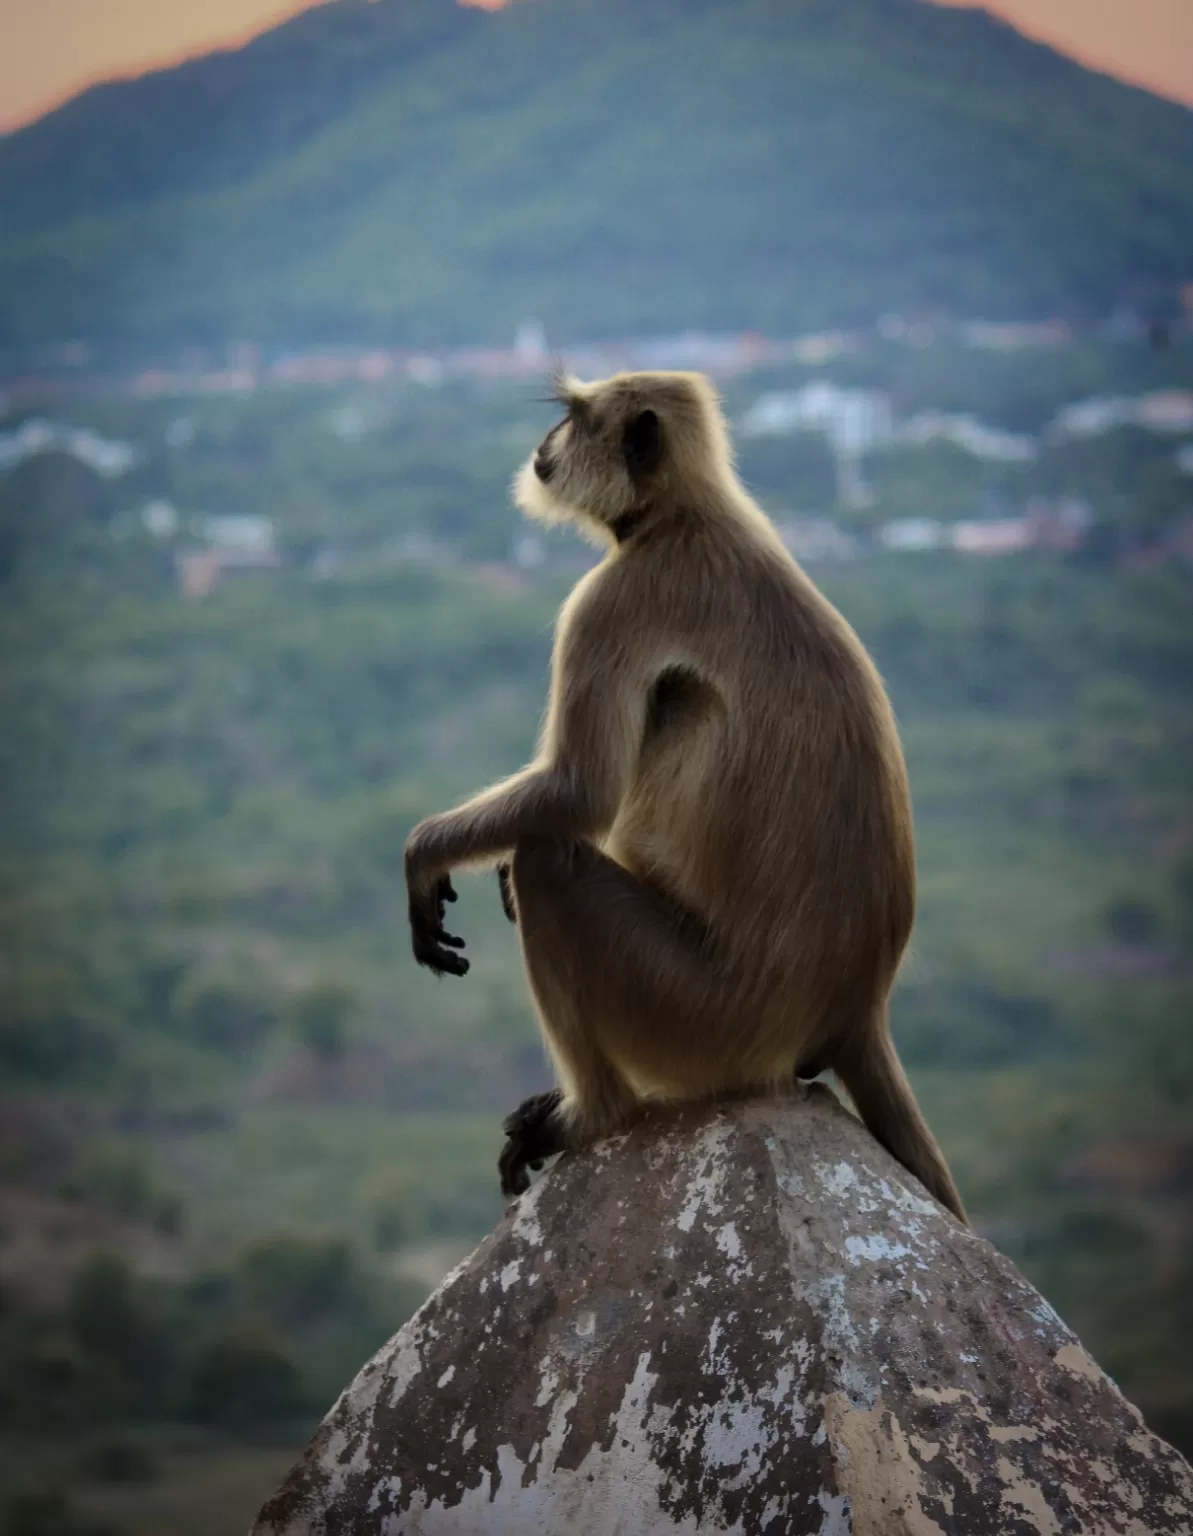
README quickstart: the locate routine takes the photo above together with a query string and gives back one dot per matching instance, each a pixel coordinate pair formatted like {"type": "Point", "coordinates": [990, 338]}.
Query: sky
{"type": "Point", "coordinates": [53, 48]}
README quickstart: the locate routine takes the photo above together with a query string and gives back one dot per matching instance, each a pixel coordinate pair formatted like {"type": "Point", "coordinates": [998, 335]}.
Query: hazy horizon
{"type": "Point", "coordinates": [58, 48]}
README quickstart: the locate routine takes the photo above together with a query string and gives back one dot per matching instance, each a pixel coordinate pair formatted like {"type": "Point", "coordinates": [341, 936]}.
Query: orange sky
{"type": "Point", "coordinates": [49, 49]}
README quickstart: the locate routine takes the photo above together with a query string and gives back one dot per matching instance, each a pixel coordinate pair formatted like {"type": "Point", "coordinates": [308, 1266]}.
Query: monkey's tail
{"type": "Point", "coordinates": [873, 1074]}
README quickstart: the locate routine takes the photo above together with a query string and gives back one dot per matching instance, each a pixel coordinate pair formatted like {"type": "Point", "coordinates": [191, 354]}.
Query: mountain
{"type": "Point", "coordinates": [412, 171]}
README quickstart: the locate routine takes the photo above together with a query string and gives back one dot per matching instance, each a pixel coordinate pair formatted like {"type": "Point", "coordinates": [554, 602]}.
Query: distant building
{"type": "Point", "coordinates": [234, 544]}
{"type": "Point", "coordinates": [373, 367]}
{"type": "Point", "coordinates": [708, 352]}
{"type": "Point", "coordinates": [1166, 410]}
{"type": "Point", "coordinates": [912, 535]}
{"type": "Point", "coordinates": [1063, 525]}
{"type": "Point", "coordinates": [424, 369]}
{"type": "Point", "coordinates": [853, 420]}
{"type": "Point", "coordinates": [160, 518]}
{"type": "Point", "coordinates": [155, 383]}
{"type": "Point", "coordinates": [1005, 536]}
{"type": "Point", "coordinates": [1013, 335]}
{"type": "Point", "coordinates": [970, 434]}
{"type": "Point", "coordinates": [106, 456]}
{"type": "Point", "coordinates": [198, 572]}
{"type": "Point", "coordinates": [1163, 410]}
{"type": "Point", "coordinates": [817, 538]}
{"type": "Point", "coordinates": [500, 578]}
{"type": "Point", "coordinates": [242, 534]}
{"type": "Point", "coordinates": [1089, 418]}
{"type": "Point", "coordinates": [820, 348]}
{"type": "Point", "coordinates": [420, 548]}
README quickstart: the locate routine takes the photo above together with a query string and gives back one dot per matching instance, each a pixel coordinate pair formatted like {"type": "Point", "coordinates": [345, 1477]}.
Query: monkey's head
{"type": "Point", "coordinates": [626, 446]}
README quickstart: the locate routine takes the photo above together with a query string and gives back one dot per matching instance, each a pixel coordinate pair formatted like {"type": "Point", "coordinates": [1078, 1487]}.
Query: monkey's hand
{"type": "Point", "coordinates": [432, 943]}
{"type": "Point", "coordinates": [507, 894]}
{"type": "Point", "coordinates": [533, 1134]}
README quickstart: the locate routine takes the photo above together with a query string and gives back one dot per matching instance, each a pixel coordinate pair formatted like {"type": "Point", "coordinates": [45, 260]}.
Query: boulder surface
{"type": "Point", "coordinates": [745, 1318]}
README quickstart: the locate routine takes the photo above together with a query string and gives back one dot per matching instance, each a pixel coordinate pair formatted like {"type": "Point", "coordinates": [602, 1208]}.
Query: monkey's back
{"type": "Point", "coordinates": [770, 795]}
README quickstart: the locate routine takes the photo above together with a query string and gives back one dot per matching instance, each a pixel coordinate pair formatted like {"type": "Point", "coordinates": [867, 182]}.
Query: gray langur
{"type": "Point", "coordinates": [710, 858]}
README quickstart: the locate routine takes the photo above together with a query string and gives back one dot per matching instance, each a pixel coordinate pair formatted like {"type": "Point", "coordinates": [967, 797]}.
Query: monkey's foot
{"type": "Point", "coordinates": [533, 1133]}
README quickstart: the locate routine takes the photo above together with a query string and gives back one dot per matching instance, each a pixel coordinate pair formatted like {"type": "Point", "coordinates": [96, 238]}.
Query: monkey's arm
{"type": "Point", "coordinates": [573, 791]}
{"type": "Point", "coordinates": [544, 800]}
{"type": "Point", "coordinates": [547, 801]}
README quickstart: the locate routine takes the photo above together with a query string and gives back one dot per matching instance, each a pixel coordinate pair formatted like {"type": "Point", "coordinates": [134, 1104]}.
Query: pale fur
{"type": "Point", "coordinates": [716, 729]}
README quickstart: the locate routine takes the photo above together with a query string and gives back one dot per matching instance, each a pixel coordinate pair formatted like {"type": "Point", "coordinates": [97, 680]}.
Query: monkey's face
{"type": "Point", "coordinates": [600, 461]}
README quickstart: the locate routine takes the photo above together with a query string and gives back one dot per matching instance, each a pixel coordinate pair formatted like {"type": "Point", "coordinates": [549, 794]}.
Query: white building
{"type": "Point", "coordinates": [1162, 410]}
{"type": "Point", "coordinates": [1004, 536]}
{"type": "Point", "coordinates": [160, 518]}
{"type": "Point", "coordinates": [245, 535]}
{"type": "Point", "coordinates": [970, 434]}
{"type": "Point", "coordinates": [817, 538]}
{"type": "Point", "coordinates": [106, 456]}
{"type": "Point", "coordinates": [912, 535]}
{"type": "Point", "coordinates": [853, 420]}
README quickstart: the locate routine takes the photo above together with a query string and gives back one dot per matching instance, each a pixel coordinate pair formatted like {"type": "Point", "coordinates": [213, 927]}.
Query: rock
{"type": "Point", "coordinates": [737, 1319]}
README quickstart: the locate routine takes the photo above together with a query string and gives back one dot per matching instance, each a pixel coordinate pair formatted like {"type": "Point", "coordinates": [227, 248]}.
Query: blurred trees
{"type": "Point", "coordinates": [213, 1048]}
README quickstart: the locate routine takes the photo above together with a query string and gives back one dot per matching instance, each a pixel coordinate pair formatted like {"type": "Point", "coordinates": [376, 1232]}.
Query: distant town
{"type": "Point", "coordinates": [853, 422]}
{"type": "Point", "coordinates": [242, 367]}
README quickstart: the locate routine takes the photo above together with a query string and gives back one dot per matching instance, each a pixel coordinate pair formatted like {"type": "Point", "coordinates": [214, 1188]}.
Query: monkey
{"type": "Point", "coordinates": [710, 859]}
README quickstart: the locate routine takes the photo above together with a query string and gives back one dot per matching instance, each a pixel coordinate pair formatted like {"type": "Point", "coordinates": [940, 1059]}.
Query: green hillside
{"type": "Point", "coordinates": [240, 1130]}
{"type": "Point", "coordinates": [412, 171]}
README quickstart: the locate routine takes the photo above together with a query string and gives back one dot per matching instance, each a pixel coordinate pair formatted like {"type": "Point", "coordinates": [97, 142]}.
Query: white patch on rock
{"type": "Point", "coordinates": [526, 1223]}
{"type": "Point", "coordinates": [548, 1384]}
{"type": "Point", "coordinates": [728, 1241]}
{"type": "Point", "coordinates": [400, 1363]}
{"type": "Point", "coordinates": [837, 1520]}
{"type": "Point", "coordinates": [877, 1248]}
{"type": "Point", "coordinates": [710, 1158]}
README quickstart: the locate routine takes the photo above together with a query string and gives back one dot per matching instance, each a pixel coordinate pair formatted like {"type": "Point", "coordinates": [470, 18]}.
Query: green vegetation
{"type": "Point", "coordinates": [609, 167]}
{"type": "Point", "coordinates": [241, 1133]}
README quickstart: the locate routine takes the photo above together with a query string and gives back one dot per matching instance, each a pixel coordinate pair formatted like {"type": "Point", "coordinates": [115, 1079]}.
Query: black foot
{"type": "Point", "coordinates": [533, 1133]}
{"type": "Point", "coordinates": [507, 894]}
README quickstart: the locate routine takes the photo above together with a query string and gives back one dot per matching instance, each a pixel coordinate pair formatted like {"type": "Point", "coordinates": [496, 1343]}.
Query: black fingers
{"type": "Point", "coordinates": [507, 893]}
{"type": "Point", "coordinates": [534, 1132]}
{"type": "Point", "coordinates": [432, 944]}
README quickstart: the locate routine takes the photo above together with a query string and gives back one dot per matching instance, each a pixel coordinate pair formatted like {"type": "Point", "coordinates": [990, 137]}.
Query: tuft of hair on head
{"type": "Point", "coordinates": [559, 388]}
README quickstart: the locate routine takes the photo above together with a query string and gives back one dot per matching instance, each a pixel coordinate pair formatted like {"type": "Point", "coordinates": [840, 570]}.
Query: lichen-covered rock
{"type": "Point", "coordinates": [745, 1319]}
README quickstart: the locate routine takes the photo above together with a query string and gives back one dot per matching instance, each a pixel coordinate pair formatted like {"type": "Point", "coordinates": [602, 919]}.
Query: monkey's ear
{"type": "Point", "coordinates": [642, 443]}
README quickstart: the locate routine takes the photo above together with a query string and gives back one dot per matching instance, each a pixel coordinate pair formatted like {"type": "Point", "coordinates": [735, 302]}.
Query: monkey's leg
{"type": "Point", "coordinates": [619, 972]}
